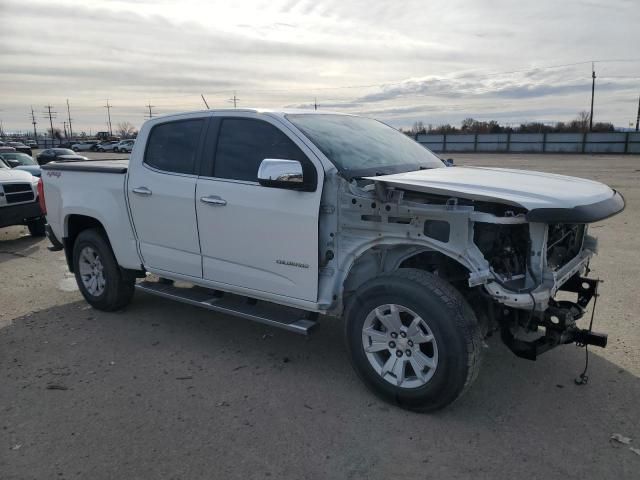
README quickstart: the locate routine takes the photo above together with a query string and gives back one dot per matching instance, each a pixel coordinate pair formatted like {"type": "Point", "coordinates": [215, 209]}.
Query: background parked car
{"type": "Point", "coordinates": [85, 145]}
{"type": "Point", "coordinates": [59, 154]}
{"type": "Point", "coordinates": [20, 205]}
{"type": "Point", "coordinates": [31, 144]}
{"type": "Point", "coordinates": [21, 161]}
{"type": "Point", "coordinates": [124, 146]}
{"type": "Point", "coordinates": [20, 147]}
{"type": "Point", "coordinates": [107, 146]}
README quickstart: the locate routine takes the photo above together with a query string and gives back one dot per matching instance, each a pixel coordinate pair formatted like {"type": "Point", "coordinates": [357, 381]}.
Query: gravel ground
{"type": "Point", "coordinates": [164, 390]}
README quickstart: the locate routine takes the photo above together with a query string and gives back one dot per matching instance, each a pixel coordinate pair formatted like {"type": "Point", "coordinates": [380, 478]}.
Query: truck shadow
{"type": "Point", "coordinates": [17, 244]}
{"type": "Point", "coordinates": [184, 360]}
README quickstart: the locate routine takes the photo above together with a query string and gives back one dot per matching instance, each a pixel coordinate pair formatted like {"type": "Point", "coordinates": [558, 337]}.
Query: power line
{"type": "Point", "coordinates": [108, 107]}
{"type": "Point", "coordinates": [69, 117]}
{"type": "Point", "coordinates": [593, 89]}
{"type": "Point", "coordinates": [33, 121]}
{"type": "Point", "coordinates": [51, 116]}
{"type": "Point", "coordinates": [234, 100]}
{"type": "Point", "coordinates": [149, 106]}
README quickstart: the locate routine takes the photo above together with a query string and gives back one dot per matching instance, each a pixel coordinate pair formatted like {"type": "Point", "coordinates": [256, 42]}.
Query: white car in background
{"type": "Point", "coordinates": [107, 146]}
{"type": "Point", "coordinates": [85, 145]}
{"type": "Point", "coordinates": [125, 146]}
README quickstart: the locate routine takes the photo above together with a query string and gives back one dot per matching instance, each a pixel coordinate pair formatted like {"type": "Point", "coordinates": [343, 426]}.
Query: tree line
{"type": "Point", "coordinates": [470, 125]}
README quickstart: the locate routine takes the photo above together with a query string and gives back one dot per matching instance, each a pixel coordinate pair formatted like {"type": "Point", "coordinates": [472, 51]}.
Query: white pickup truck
{"type": "Point", "coordinates": [281, 216]}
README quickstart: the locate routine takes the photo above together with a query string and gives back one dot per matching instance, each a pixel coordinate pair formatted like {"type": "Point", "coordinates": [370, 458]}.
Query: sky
{"type": "Point", "coordinates": [433, 61]}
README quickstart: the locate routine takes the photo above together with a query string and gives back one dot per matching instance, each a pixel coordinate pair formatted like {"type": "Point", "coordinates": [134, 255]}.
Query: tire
{"type": "Point", "coordinates": [448, 363]}
{"type": "Point", "coordinates": [117, 284]}
{"type": "Point", "coordinates": [37, 227]}
{"type": "Point", "coordinates": [115, 150]}
{"type": "Point", "coordinates": [75, 149]}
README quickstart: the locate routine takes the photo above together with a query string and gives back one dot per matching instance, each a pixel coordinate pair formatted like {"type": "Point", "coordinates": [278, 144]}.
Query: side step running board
{"type": "Point", "coordinates": [264, 312]}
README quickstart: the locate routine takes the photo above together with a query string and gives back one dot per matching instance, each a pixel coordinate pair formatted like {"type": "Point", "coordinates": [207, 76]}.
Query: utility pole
{"type": "Point", "coordinates": [593, 89]}
{"type": "Point", "coordinates": [149, 106]}
{"type": "Point", "coordinates": [234, 100]}
{"type": "Point", "coordinates": [315, 103]}
{"type": "Point", "coordinates": [50, 114]}
{"type": "Point", "coordinates": [108, 107]}
{"type": "Point", "coordinates": [205, 101]}
{"type": "Point", "coordinates": [638, 117]}
{"type": "Point", "coordinates": [64, 126]}
{"type": "Point", "coordinates": [69, 117]}
{"type": "Point", "coordinates": [33, 121]}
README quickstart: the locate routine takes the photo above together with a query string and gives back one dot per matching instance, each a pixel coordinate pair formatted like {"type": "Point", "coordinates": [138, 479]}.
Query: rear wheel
{"type": "Point", "coordinates": [37, 227]}
{"type": "Point", "coordinates": [413, 339]}
{"type": "Point", "coordinates": [100, 279]}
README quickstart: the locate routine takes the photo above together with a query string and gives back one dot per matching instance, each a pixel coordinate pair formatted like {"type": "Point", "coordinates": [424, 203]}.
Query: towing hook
{"type": "Point", "coordinates": [585, 337]}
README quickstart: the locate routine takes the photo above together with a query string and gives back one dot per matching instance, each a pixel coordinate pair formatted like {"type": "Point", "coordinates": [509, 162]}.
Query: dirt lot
{"type": "Point", "coordinates": [163, 390]}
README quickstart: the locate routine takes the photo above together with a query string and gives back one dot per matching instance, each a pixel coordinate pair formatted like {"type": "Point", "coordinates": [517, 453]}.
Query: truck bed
{"type": "Point", "coordinates": [75, 190]}
{"type": "Point", "coordinates": [106, 165]}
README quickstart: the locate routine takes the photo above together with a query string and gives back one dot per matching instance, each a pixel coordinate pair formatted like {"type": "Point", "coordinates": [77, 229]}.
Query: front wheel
{"type": "Point", "coordinates": [100, 279]}
{"type": "Point", "coordinates": [413, 339]}
{"type": "Point", "coordinates": [116, 150]}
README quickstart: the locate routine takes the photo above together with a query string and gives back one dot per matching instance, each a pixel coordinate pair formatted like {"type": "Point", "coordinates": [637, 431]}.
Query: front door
{"type": "Point", "coordinates": [255, 237]}
{"type": "Point", "coordinates": [161, 192]}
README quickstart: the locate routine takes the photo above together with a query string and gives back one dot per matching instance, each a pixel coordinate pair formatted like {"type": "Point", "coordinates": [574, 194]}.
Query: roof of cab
{"type": "Point", "coordinates": [278, 112]}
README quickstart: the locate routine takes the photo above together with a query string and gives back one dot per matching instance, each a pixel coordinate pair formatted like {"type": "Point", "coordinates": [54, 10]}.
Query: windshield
{"type": "Point", "coordinates": [360, 146]}
{"type": "Point", "coordinates": [21, 158]}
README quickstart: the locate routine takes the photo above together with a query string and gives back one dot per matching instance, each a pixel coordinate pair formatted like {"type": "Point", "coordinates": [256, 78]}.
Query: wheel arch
{"type": "Point", "coordinates": [74, 224]}
{"type": "Point", "coordinates": [381, 258]}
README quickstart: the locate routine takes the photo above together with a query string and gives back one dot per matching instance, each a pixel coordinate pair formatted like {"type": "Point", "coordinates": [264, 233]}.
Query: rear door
{"type": "Point", "coordinates": [254, 237]}
{"type": "Point", "coordinates": [161, 192]}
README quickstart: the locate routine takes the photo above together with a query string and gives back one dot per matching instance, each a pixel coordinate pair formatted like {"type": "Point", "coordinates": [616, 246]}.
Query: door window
{"type": "Point", "coordinates": [173, 146]}
{"type": "Point", "coordinates": [243, 143]}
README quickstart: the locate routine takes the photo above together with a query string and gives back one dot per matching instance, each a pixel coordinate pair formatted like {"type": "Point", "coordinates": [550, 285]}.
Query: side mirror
{"type": "Point", "coordinates": [279, 173]}
{"type": "Point", "coordinates": [448, 162]}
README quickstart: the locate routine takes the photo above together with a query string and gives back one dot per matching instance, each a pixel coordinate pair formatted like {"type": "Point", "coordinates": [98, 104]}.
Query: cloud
{"type": "Point", "coordinates": [439, 59]}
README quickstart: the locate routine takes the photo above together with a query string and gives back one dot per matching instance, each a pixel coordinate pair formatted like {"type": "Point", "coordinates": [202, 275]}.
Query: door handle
{"type": "Point", "coordinates": [213, 200]}
{"type": "Point", "coordinates": [142, 191]}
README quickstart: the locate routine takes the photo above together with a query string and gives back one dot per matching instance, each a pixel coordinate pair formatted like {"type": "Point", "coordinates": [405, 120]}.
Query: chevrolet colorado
{"type": "Point", "coordinates": [280, 217]}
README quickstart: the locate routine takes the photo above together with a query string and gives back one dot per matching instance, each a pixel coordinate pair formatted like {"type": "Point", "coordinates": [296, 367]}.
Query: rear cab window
{"type": "Point", "coordinates": [173, 146]}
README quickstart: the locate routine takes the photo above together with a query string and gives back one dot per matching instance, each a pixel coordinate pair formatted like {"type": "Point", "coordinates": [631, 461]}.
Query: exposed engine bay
{"type": "Point", "coordinates": [509, 269]}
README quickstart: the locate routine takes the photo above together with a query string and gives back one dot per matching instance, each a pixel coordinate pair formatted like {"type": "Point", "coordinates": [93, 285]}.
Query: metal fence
{"type": "Point", "coordinates": [610, 142]}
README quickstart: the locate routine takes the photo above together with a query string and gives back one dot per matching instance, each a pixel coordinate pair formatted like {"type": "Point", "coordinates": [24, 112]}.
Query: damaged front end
{"type": "Point", "coordinates": [533, 266]}
{"type": "Point", "coordinates": [518, 274]}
